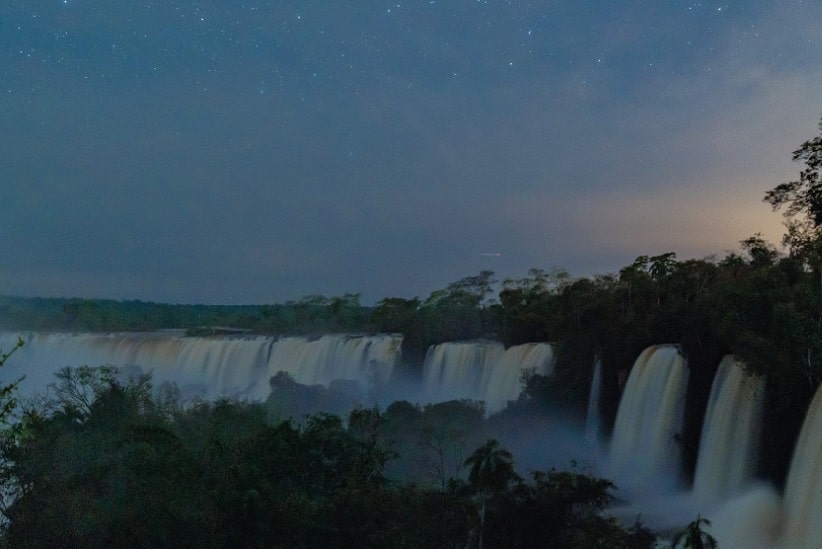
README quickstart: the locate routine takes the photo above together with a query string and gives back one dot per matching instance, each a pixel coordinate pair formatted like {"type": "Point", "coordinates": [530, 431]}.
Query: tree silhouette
{"type": "Point", "coordinates": [7, 400]}
{"type": "Point", "coordinates": [802, 200]}
{"type": "Point", "coordinates": [492, 470]}
{"type": "Point", "coordinates": [805, 194]}
{"type": "Point", "coordinates": [693, 537]}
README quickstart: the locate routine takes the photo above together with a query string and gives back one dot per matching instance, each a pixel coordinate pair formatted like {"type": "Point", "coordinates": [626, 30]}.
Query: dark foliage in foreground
{"type": "Point", "coordinates": [106, 463]}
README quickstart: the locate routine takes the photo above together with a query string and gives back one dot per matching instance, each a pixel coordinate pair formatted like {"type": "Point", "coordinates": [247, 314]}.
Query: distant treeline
{"type": "Point", "coordinates": [106, 315]}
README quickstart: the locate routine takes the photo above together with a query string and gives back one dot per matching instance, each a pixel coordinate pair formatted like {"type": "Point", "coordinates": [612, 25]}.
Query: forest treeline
{"type": "Point", "coordinates": [102, 462]}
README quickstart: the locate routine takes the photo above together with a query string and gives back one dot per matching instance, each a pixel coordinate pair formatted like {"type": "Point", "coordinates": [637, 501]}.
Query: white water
{"type": "Point", "coordinates": [750, 520]}
{"type": "Point", "coordinates": [483, 371]}
{"type": "Point", "coordinates": [759, 519]}
{"type": "Point", "coordinates": [729, 445]}
{"type": "Point", "coordinates": [802, 501]}
{"type": "Point", "coordinates": [208, 366]}
{"type": "Point", "coordinates": [242, 366]}
{"type": "Point", "coordinates": [645, 458]}
{"type": "Point", "coordinates": [645, 453]}
{"type": "Point", "coordinates": [592, 418]}
{"type": "Point", "coordinates": [745, 513]}
{"type": "Point", "coordinates": [454, 370]}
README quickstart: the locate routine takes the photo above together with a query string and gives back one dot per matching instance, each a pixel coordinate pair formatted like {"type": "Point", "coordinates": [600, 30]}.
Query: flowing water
{"type": "Point", "coordinates": [593, 423]}
{"type": "Point", "coordinates": [645, 447]}
{"type": "Point", "coordinates": [644, 454]}
{"type": "Point", "coordinates": [483, 371]}
{"type": "Point", "coordinates": [208, 366]}
{"type": "Point", "coordinates": [728, 449]}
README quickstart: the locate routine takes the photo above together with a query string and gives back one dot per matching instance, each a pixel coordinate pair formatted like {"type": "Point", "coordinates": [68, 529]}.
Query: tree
{"type": "Point", "coordinates": [492, 470]}
{"type": "Point", "coordinates": [803, 196]}
{"type": "Point", "coordinates": [456, 312]}
{"type": "Point", "coordinates": [528, 305]}
{"type": "Point", "coordinates": [693, 537]}
{"type": "Point", "coordinates": [366, 426]}
{"type": "Point", "coordinates": [492, 467]}
{"type": "Point", "coordinates": [101, 471]}
{"type": "Point", "coordinates": [398, 315]}
{"type": "Point", "coordinates": [475, 288]}
{"type": "Point", "coordinates": [7, 400]}
{"type": "Point", "coordinates": [447, 429]}
{"type": "Point", "coordinates": [762, 254]}
{"type": "Point", "coordinates": [802, 200]}
{"type": "Point", "coordinates": [563, 509]}
{"type": "Point", "coordinates": [661, 266]}
{"type": "Point", "coordinates": [78, 388]}
{"type": "Point", "coordinates": [346, 312]}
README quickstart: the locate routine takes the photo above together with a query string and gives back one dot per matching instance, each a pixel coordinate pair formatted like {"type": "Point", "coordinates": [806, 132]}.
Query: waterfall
{"type": "Point", "coordinates": [454, 370]}
{"type": "Point", "coordinates": [502, 380]}
{"type": "Point", "coordinates": [241, 366]}
{"type": "Point", "coordinates": [803, 491]}
{"type": "Point", "coordinates": [730, 433]}
{"type": "Point", "coordinates": [645, 453]}
{"type": "Point", "coordinates": [483, 371]}
{"type": "Point", "coordinates": [210, 366]}
{"type": "Point", "coordinates": [592, 418]}
{"type": "Point", "coordinates": [753, 519]}
{"type": "Point", "coordinates": [367, 359]}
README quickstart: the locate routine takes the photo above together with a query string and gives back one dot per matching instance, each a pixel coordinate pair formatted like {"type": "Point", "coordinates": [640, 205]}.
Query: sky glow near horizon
{"type": "Point", "coordinates": [256, 152]}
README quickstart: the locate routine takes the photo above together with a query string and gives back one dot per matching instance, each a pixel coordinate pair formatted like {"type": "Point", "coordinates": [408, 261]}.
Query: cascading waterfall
{"type": "Point", "coordinates": [242, 366]}
{"type": "Point", "coordinates": [483, 371]}
{"type": "Point", "coordinates": [209, 366]}
{"type": "Point", "coordinates": [502, 381]}
{"type": "Point", "coordinates": [367, 359]}
{"type": "Point", "coordinates": [645, 453]}
{"type": "Point", "coordinates": [802, 501]}
{"type": "Point", "coordinates": [454, 370]}
{"type": "Point", "coordinates": [757, 518]}
{"type": "Point", "coordinates": [592, 418]}
{"type": "Point", "coordinates": [730, 433]}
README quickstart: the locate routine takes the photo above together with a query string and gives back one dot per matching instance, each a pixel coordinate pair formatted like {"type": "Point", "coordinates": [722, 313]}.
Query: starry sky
{"type": "Point", "coordinates": [260, 151]}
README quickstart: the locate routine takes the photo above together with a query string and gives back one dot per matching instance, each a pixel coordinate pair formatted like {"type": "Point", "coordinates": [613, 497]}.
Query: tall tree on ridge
{"type": "Point", "coordinates": [802, 200]}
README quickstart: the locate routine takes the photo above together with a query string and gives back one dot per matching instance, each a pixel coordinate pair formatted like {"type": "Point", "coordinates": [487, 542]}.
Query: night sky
{"type": "Point", "coordinates": [253, 152]}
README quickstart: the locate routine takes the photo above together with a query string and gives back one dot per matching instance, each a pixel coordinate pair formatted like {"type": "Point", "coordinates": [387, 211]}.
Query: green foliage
{"type": "Point", "coordinates": [491, 468]}
{"type": "Point", "coordinates": [447, 431]}
{"type": "Point", "coordinates": [110, 463]}
{"type": "Point", "coordinates": [802, 203]}
{"type": "Point", "coordinates": [694, 537]}
{"type": "Point", "coordinates": [528, 306]}
{"type": "Point", "coordinates": [456, 313]}
{"type": "Point", "coordinates": [562, 509]}
{"type": "Point", "coordinates": [803, 196]}
{"type": "Point", "coordinates": [398, 315]}
{"type": "Point", "coordinates": [291, 400]}
{"type": "Point", "coordinates": [103, 472]}
{"type": "Point", "coordinates": [310, 315]}
{"type": "Point", "coordinates": [7, 401]}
